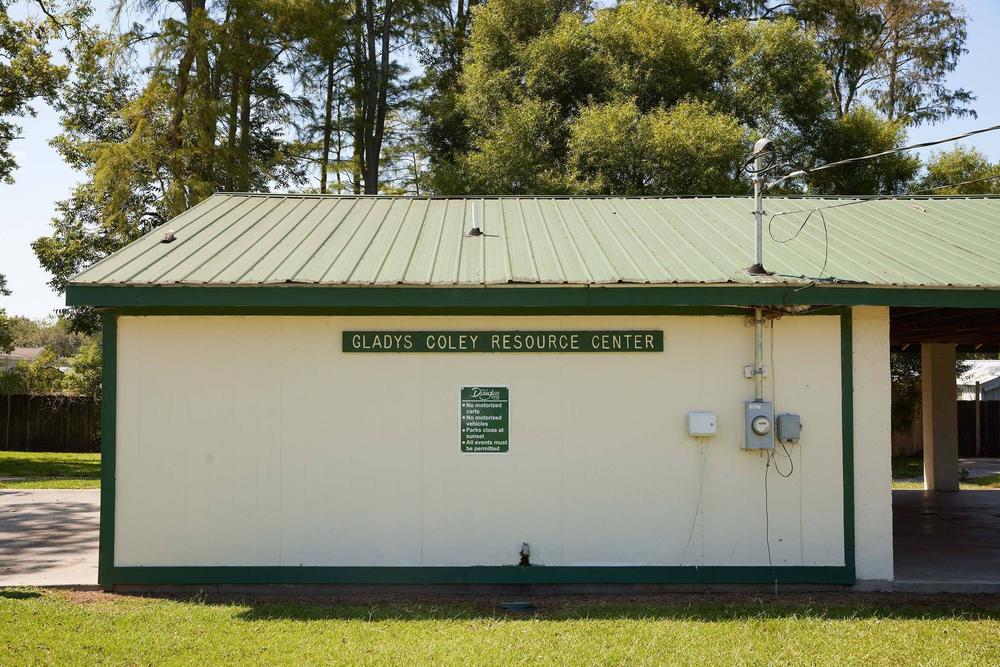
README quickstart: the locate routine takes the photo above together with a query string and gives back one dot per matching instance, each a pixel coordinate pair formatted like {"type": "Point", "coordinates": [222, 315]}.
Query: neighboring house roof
{"type": "Point", "coordinates": [22, 354]}
{"type": "Point", "coordinates": [979, 370]}
{"type": "Point", "coordinates": [247, 240]}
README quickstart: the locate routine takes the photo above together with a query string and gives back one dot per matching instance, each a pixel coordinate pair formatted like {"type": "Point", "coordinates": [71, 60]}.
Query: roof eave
{"type": "Point", "coordinates": [522, 297]}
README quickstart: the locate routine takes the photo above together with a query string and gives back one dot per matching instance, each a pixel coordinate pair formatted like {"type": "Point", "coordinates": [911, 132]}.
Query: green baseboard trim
{"type": "Point", "coordinates": [480, 575]}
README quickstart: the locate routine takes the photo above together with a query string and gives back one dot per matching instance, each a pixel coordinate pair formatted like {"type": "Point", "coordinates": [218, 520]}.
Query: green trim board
{"type": "Point", "coordinates": [495, 341]}
{"type": "Point", "coordinates": [110, 575]}
{"type": "Point", "coordinates": [503, 574]}
{"type": "Point", "coordinates": [521, 298]}
{"type": "Point", "coordinates": [847, 429]}
{"type": "Point", "coordinates": [109, 421]}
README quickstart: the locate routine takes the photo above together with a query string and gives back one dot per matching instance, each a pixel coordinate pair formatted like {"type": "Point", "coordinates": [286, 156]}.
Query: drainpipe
{"type": "Point", "coordinates": [758, 355]}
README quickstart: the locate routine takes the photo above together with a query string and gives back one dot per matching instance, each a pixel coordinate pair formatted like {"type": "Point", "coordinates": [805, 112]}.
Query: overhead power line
{"type": "Point", "coordinates": [873, 156]}
{"type": "Point", "coordinates": [957, 185]}
{"type": "Point", "coordinates": [853, 202]}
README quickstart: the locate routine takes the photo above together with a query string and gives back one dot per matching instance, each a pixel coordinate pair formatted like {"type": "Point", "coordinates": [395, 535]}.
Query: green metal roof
{"type": "Point", "coordinates": [246, 239]}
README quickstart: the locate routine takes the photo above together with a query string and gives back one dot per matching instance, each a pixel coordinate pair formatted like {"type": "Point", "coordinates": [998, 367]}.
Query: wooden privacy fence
{"type": "Point", "coordinates": [989, 428]}
{"type": "Point", "coordinates": [50, 423]}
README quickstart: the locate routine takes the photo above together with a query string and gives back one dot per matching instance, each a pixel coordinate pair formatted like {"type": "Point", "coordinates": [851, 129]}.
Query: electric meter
{"type": "Point", "coordinates": [759, 420]}
{"type": "Point", "coordinates": [761, 425]}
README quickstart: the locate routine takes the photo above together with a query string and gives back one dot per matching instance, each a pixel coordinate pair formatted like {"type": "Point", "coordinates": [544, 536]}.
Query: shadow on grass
{"type": "Point", "coordinates": [18, 594]}
{"type": "Point", "coordinates": [705, 608]}
{"type": "Point", "coordinates": [49, 464]}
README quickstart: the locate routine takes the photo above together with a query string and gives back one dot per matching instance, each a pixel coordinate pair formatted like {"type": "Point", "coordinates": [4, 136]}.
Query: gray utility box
{"type": "Point", "coordinates": [789, 428]}
{"type": "Point", "coordinates": [759, 425]}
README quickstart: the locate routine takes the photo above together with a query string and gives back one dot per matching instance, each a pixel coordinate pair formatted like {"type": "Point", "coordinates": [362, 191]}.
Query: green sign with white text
{"type": "Point", "coordinates": [503, 341]}
{"type": "Point", "coordinates": [484, 419]}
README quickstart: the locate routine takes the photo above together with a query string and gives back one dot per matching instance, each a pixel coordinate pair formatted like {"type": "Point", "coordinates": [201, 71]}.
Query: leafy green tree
{"type": "Point", "coordinates": [615, 149]}
{"type": "Point", "coordinates": [28, 71]}
{"type": "Point", "coordinates": [124, 195]}
{"type": "Point", "coordinates": [84, 375]}
{"type": "Point", "coordinates": [56, 334]}
{"type": "Point", "coordinates": [771, 77]}
{"type": "Point", "coordinates": [924, 41]}
{"type": "Point", "coordinates": [40, 376]}
{"type": "Point", "coordinates": [659, 53]}
{"type": "Point", "coordinates": [520, 154]}
{"type": "Point", "coordinates": [960, 171]}
{"type": "Point", "coordinates": [318, 45]}
{"type": "Point", "coordinates": [440, 50]}
{"type": "Point", "coordinates": [646, 97]}
{"type": "Point", "coordinates": [896, 52]}
{"type": "Point", "coordinates": [724, 9]}
{"type": "Point", "coordinates": [861, 132]}
{"type": "Point", "coordinates": [6, 325]}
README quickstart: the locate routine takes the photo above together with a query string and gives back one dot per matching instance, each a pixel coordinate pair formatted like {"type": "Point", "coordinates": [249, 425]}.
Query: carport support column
{"type": "Point", "coordinates": [940, 416]}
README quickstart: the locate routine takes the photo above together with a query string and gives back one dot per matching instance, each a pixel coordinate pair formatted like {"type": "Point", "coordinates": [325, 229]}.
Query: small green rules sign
{"type": "Point", "coordinates": [484, 419]}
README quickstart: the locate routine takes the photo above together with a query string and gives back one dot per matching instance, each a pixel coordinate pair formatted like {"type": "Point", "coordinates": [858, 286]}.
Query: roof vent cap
{"type": "Point", "coordinates": [476, 229]}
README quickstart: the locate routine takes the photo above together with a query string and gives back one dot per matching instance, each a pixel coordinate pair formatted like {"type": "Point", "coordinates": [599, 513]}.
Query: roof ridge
{"type": "Point", "coordinates": [901, 197]}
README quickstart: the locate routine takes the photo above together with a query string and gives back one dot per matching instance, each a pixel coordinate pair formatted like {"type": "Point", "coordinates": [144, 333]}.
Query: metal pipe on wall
{"type": "Point", "coordinates": [758, 354]}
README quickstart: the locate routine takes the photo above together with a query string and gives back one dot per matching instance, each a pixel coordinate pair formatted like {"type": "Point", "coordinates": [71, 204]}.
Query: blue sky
{"type": "Point", "coordinates": [27, 206]}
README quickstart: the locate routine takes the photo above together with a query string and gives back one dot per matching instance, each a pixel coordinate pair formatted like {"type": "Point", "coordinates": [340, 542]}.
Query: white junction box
{"type": "Point", "coordinates": [702, 423]}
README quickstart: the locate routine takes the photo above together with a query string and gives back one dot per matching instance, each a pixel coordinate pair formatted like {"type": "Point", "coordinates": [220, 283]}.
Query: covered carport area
{"type": "Point", "coordinates": [944, 535]}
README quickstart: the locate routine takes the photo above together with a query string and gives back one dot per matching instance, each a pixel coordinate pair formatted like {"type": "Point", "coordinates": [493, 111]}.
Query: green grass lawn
{"type": "Point", "coordinates": [47, 627]}
{"type": "Point", "coordinates": [50, 470]}
{"type": "Point", "coordinates": [905, 468]}
{"type": "Point", "coordinates": [987, 482]}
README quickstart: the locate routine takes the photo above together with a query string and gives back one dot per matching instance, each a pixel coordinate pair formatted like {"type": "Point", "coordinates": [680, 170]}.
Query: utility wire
{"type": "Point", "coordinates": [891, 151]}
{"type": "Point", "coordinates": [866, 200]}
{"type": "Point", "coordinates": [957, 185]}
{"type": "Point", "coordinates": [826, 231]}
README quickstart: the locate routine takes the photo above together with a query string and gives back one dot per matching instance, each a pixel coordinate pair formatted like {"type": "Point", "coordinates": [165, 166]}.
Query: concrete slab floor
{"type": "Point", "coordinates": [49, 537]}
{"type": "Point", "coordinates": [946, 536]}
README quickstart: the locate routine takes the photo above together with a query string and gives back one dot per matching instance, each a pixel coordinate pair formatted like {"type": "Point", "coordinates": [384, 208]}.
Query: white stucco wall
{"type": "Point", "coordinates": [256, 441]}
{"type": "Point", "coordinates": [872, 445]}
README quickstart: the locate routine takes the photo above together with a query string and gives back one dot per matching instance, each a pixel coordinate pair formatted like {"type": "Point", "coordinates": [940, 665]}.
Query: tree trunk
{"type": "Point", "coordinates": [358, 137]}
{"type": "Point", "coordinates": [206, 114]}
{"type": "Point", "coordinates": [177, 202]}
{"type": "Point", "coordinates": [340, 142]}
{"type": "Point", "coordinates": [890, 111]}
{"type": "Point", "coordinates": [234, 106]}
{"type": "Point", "coordinates": [327, 128]}
{"type": "Point", "coordinates": [378, 89]}
{"type": "Point", "coordinates": [243, 170]}
{"type": "Point", "coordinates": [370, 167]}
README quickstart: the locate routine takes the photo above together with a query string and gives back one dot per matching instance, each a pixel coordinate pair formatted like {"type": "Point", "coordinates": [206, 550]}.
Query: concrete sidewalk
{"type": "Point", "coordinates": [980, 467]}
{"type": "Point", "coordinates": [48, 537]}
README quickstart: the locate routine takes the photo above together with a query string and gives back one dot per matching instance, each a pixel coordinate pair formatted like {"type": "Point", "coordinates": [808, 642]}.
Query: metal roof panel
{"type": "Point", "coordinates": [247, 239]}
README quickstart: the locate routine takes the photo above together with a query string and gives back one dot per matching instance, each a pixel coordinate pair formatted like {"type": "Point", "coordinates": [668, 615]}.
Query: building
{"type": "Point", "coordinates": [10, 360]}
{"type": "Point", "coordinates": [333, 389]}
{"type": "Point", "coordinates": [980, 381]}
